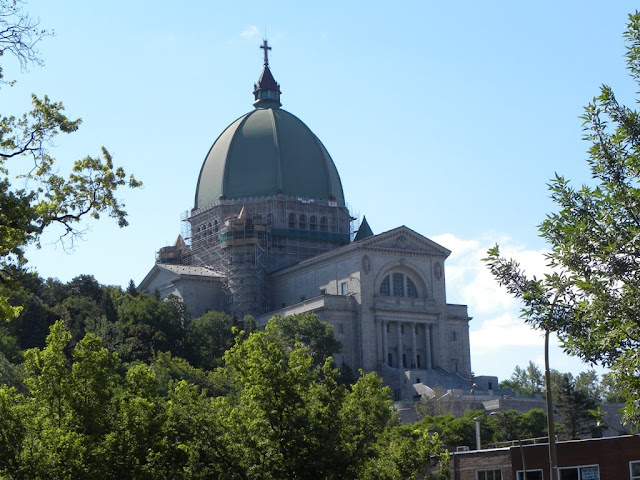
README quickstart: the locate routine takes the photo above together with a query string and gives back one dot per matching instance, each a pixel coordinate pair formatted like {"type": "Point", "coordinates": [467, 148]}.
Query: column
{"type": "Point", "coordinates": [414, 346]}
{"type": "Point", "coordinates": [427, 346]}
{"type": "Point", "coordinates": [399, 330]}
{"type": "Point", "coordinates": [385, 344]}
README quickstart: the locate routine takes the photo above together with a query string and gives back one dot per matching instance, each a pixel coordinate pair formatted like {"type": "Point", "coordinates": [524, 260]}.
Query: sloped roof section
{"type": "Point", "coordinates": [364, 231]}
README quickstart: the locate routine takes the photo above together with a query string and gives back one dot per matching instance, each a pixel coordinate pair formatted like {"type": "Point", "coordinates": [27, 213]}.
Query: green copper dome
{"type": "Point", "coordinates": [268, 152]}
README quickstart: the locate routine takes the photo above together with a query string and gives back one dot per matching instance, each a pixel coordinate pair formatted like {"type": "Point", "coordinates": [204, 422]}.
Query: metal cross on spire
{"type": "Point", "coordinates": [266, 49]}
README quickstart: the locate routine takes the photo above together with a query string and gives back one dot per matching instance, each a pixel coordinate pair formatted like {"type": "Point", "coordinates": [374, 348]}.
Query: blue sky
{"type": "Point", "coordinates": [447, 117]}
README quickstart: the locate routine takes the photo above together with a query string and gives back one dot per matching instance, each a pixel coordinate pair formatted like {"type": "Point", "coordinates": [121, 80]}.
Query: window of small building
{"type": "Point", "coordinates": [323, 291]}
{"type": "Point", "coordinates": [634, 470]}
{"type": "Point", "coordinates": [303, 222]}
{"type": "Point", "coordinates": [587, 472]}
{"type": "Point", "coordinates": [531, 475]}
{"type": "Point", "coordinates": [493, 474]}
{"type": "Point", "coordinates": [292, 220]}
{"type": "Point", "coordinates": [324, 224]}
{"type": "Point", "coordinates": [344, 288]}
{"type": "Point", "coordinates": [313, 222]}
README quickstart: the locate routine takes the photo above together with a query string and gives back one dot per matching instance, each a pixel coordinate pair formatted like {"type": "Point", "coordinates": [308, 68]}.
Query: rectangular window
{"type": "Point", "coordinates": [340, 328]}
{"type": "Point", "coordinates": [344, 289]}
{"type": "Point", "coordinates": [323, 291]}
{"type": "Point", "coordinates": [589, 472]}
{"type": "Point", "coordinates": [531, 475]}
{"type": "Point", "coordinates": [389, 359]}
{"type": "Point", "coordinates": [495, 474]}
{"type": "Point", "coordinates": [404, 360]}
{"type": "Point", "coordinates": [418, 362]}
{"type": "Point", "coordinates": [453, 336]}
{"type": "Point", "coordinates": [634, 470]}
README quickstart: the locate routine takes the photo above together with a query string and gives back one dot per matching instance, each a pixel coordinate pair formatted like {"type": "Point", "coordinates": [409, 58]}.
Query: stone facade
{"type": "Point", "coordinates": [385, 298]}
{"type": "Point", "coordinates": [270, 233]}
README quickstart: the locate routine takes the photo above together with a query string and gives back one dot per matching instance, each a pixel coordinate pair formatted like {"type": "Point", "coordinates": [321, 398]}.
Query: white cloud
{"type": "Point", "coordinates": [250, 32]}
{"type": "Point", "coordinates": [500, 339]}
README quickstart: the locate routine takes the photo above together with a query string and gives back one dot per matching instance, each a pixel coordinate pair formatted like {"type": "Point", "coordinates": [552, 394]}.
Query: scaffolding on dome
{"type": "Point", "coordinates": [245, 240]}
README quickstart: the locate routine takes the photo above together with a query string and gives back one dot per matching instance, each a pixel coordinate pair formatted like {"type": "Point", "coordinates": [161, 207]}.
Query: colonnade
{"type": "Point", "coordinates": [401, 361]}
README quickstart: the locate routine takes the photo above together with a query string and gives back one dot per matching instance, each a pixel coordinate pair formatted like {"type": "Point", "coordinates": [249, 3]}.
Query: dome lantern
{"type": "Point", "coordinates": [267, 91]}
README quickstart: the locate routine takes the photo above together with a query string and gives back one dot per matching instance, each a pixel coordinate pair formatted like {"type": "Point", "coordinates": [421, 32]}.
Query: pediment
{"type": "Point", "coordinates": [403, 239]}
{"type": "Point", "coordinates": [157, 277]}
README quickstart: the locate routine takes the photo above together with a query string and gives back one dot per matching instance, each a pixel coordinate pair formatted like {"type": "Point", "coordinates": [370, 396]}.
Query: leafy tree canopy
{"type": "Point", "coordinates": [592, 297]}
{"type": "Point", "coordinates": [34, 194]}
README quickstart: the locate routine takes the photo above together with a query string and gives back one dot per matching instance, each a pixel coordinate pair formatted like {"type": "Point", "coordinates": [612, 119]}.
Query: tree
{"type": "Point", "coordinates": [528, 382]}
{"type": "Point", "coordinates": [40, 196]}
{"type": "Point", "coordinates": [317, 337]}
{"type": "Point", "coordinates": [208, 337]}
{"type": "Point", "coordinates": [594, 239]}
{"type": "Point", "coordinates": [291, 418]}
{"type": "Point", "coordinates": [573, 406]}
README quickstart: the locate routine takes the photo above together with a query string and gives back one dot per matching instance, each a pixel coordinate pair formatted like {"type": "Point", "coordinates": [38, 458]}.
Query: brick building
{"type": "Point", "coordinates": [613, 458]}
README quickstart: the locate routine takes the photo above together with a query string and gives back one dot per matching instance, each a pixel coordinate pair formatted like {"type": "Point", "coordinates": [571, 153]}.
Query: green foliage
{"type": "Point", "coordinates": [573, 405]}
{"type": "Point", "coordinates": [208, 337]}
{"type": "Point", "coordinates": [317, 337]}
{"type": "Point", "coordinates": [594, 245]}
{"type": "Point", "coordinates": [525, 381]}
{"type": "Point", "coordinates": [270, 412]}
{"type": "Point", "coordinates": [406, 452]}
{"type": "Point", "coordinates": [511, 425]}
{"type": "Point", "coordinates": [34, 195]}
{"type": "Point", "coordinates": [458, 431]}
{"type": "Point", "coordinates": [594, 236]}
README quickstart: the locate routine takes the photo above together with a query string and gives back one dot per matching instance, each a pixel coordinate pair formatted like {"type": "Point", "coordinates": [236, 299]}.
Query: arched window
{"type": "Point", "coordinates": [385, 289]}
{"type": "Point", "coordinates": [324, 224]}
{"type": "Point", "coordinates": [412, 291]}
{"type": "Point", "coordinates": [313, 223]}
{"type": "Point", "coordinates": [303, 222]}
{"type": "Point", "coordinates": [292, 220]}
{"type": "Point", "coordinates": [398, 285]}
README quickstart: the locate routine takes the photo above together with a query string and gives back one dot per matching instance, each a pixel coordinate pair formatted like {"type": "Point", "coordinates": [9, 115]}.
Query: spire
{"type": "Point", "coordinates": [266, 91]}
{"type": "Point", "coordinates": [364, 231]}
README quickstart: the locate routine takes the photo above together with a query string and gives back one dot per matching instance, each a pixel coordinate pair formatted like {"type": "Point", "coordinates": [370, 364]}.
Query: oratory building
{"type": "Point", "coordinates": [270, 234]}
